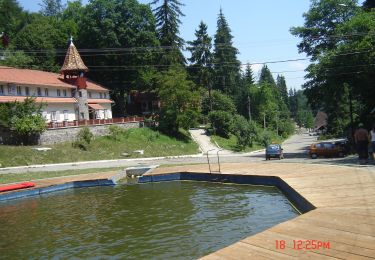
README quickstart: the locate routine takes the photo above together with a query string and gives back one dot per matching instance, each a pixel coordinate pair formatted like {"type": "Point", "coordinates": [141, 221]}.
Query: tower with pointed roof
{"type": "Point", "coordinates": [74, 70]}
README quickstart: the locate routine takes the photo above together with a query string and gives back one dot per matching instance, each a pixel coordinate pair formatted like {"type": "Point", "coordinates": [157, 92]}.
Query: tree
{"type": "Point", "coordinates": [117, 24]}
{"type": "Point", "coordinates": [179, 99]}
{"type": "Point", "coordinates": [218, 102]}
{"type": "Point", "coordinates": [24, 119]}
{"type": "Point", "coordinates": [51, 7]}
{"type": "Point", "coordinates": [17, 59]}
{"type": "Point", "coordinates": [266, 77]}
{"type": "Point", "coordinates": [226, 65]}
{"type": "Point", "coordinates": [12, 17]}
{"type": "Point", "coordinates": [201, 56]}
{"type": "Point", "coordinates": [248, 76]}
{"type": "Point", "coordinates": [281, 86]}
{"type": "Point", "coordinates": [167, 21]}
{"type": "Point", "coordinates": [347, 60]}
{"type": "Point", "coordinates": [368, 5]}
{"type": "Point", "coordinates": [45, 34]}
{"type": "Point", "coordinates": [318, 33]}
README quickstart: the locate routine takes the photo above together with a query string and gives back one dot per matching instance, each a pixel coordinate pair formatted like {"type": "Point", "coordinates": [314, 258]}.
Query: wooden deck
{"type": "Point", "coordinates": [345, 214]}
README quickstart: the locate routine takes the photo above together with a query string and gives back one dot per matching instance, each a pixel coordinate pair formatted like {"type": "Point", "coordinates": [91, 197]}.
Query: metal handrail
{"type": "Point", "coordinates": [218, 159]}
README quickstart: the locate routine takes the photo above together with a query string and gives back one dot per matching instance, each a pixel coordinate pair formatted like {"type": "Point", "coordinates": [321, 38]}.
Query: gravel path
{"type": "Point", "coordinates": [204, 141]}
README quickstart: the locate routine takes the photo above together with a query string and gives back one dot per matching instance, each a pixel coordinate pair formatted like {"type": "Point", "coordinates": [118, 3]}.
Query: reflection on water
{"type": "Point", "coordinates": [179, 220]}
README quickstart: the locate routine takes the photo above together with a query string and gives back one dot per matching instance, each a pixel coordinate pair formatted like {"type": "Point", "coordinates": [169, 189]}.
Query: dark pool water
{"type": "Point", "coordinates": [174, 220]}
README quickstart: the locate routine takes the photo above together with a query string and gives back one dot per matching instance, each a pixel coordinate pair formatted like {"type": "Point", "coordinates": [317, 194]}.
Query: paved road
{"type": "Point", "coordinates": [295, 150]}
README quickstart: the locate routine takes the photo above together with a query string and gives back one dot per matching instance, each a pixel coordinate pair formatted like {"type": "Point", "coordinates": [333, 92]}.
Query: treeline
{"type": "Point", "coordinates": [132, 46]}
{"type": "Point", "coordinates": [339, 37]}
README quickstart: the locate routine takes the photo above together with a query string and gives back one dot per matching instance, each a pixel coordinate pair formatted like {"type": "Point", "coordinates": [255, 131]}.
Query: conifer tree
{"type": "Point", "coordinates": [226, 65]}
{"type": "Point", "coordinates": [167, 21]}
{"type": "Point", "coordinates": [248, 75]}
{"type": "Point", "coordinates": [266, 76]}
{"type": "Point", "coordinates": [201, 56]}
{"type": "Point", "coordinates": [281, 85]}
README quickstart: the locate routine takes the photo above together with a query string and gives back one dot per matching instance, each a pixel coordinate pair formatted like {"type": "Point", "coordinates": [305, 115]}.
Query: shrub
{"type": "Point", "coordinates": [222, 122]}
{"type": "Point", "coordinates": [83, 139]}
{"type": "Point", "coordinates": [246, 132]}
{"type": "Point", "coordinates": [115, 132]}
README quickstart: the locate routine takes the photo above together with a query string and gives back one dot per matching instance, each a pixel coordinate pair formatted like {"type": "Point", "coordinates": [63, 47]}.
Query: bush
{"type": "Point", "coordinates": [83, 139]}
{"type": "Point", "coordinates": [115, 132]}
{"type": "Point", "coordinates": [222, 122]}
{"type": "Point", "coordinates": [246, 132]}
{"type": "Point", "coordinates": [265, 138]}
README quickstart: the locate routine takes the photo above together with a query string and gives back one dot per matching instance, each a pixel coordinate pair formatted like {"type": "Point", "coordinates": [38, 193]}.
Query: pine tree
{"type": "Point", "coordinates": [248, 75]}
{"type": "Point", "coordinates": [201, 56]}
{"type": "Point", "coordinates": [226, 65]}
{"type": "Point", "coordinates": [266, 76]}
{"type": "Point", "coordinates": [281, 85]}
{"type": "Point", "coordinates": [167, 21]}
{"type": "Point", "coordinates": [51, 7]}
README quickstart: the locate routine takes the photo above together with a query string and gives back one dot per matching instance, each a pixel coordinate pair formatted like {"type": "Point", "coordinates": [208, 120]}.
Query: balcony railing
{"type": "Point", "coordinates": [78, 123]}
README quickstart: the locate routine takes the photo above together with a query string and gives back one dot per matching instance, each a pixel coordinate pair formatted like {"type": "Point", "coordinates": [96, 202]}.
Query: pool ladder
{"type": "Point", "coordinates": [218, 160]}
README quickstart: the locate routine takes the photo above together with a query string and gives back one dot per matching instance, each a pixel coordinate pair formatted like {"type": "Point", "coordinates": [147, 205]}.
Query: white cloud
{"type": "Point", "coordinates": [298, 65]}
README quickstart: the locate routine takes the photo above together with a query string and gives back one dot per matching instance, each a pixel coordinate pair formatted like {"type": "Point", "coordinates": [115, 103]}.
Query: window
{"type": "Point", "coordinates": [39, 90]}
{"type": "Point", "coordinates": [27, 91]}
{"type": "Point", "coordinates": [46, 92]}
{"type": "Point", "coordinates": [64, 92]}
{"type": "Point", "coordinates": [11, 89]}
{"type": "Point", "coordinates": [73, 92]}
{"type": "Point", "coordinates": [19, 90]}
{"type": "Point", "coordinates": [1, 90]}
{"type": "Point", "coordinates": [58, 92]}
{"type": "Point", "coordinates": [101, 95]}
{"type": "Point", "coordinates": [105, 95]}
{"type": "Point", "coordinates": [89, 94]}
{"type": "Point", "coordinates": [53, 116]}
{"type": "Point", "coordinates": [80, 93]}
{"type": "Point", "coordinates": [66, 115]}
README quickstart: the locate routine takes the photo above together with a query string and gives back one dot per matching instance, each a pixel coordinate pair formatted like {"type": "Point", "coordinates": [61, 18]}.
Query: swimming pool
{"type": "Point", "coordinates": [179, 220]}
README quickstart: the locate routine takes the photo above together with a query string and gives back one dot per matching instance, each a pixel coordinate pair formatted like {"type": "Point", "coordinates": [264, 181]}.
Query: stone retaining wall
{"type": "Point", "coordinates": [52, 136]}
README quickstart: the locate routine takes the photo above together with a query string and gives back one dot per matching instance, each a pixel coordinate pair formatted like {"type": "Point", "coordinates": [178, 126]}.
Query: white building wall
{"type": "Point", "coordinates": [59, 109]}
{"type": "Point", "coordinates": [109, 110]}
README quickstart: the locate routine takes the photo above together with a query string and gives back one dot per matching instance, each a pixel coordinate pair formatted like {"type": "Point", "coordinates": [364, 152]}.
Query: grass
{"type": "Point", "coordinates": [18, 177]}
{"type": "Point", "coordinates": [231, 143]}
{"type": "Point", "coordinates": [153, 143]}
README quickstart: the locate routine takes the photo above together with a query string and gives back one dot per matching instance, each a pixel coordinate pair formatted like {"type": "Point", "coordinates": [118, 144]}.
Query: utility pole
{"type": "Point", "coordinates": [264, 120]}
{"type": "Point", "coordinates": [249, 106]}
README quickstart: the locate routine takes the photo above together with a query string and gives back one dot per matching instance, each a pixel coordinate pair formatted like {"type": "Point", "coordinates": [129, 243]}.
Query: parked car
{"type": "Point", "coordinates": [339, 148]}
{"type": "Point", "coordinates": [274, 151]}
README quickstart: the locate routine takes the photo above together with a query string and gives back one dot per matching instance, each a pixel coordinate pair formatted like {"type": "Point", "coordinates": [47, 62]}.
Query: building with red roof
{"type": "Point", "coordinates": [68, 96]}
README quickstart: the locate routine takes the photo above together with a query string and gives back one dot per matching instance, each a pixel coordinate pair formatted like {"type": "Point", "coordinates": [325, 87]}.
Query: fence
{"type": "Point", "coordinates": [78, 123]}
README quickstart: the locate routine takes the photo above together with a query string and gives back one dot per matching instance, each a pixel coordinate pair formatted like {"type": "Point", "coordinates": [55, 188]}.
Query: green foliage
{"type": "Point", "coordinates": [12, 17]}
{"type": "Point", "coordinates": [179, 101]}
{"type": "Point", "coordinates": [246, 132]}
{"type": "Point", "coordinates": [222, 122]}
{"type": "Point", "coordinates": [119, 24]}
{"type": "Point", "coordinates": [201, 57]}
{"type": "Point", "coordinates": [226, 65]}
{"type": "Point", "coordinates": [281, 86]}
{"type": "Point", "coordinates": [116, 132]}
{"type": "Point", "coordinates": [167, 17]}
{"type": "Point", "coordinates": [266, 77]}
{"type": "Point", "coordinates": [17, 59]}
{"type": "Point", "coordinates": [51, 7]}
{"type": "Point", "coordinates": [24, 119]}
{"type": "Point", "coordinates": [83, 139]}
{"type": "Point", "coordinates": [219, 101]}
{"type": "Point", "coordinates": [340, 62]}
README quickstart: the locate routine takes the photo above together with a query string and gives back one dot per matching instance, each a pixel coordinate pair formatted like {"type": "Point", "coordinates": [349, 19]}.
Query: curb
{"type": "Point", "coordinates": [98, 162]}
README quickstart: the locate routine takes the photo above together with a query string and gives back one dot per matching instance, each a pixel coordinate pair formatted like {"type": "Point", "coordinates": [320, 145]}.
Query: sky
{"type": "Point", "coordinates": [260, 30]}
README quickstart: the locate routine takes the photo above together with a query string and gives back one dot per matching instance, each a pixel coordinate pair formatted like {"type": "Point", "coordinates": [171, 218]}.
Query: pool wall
{"type": "Point", "coordinates": [293, 196]}
{"type": "Point", "coordinates": [58, 187]}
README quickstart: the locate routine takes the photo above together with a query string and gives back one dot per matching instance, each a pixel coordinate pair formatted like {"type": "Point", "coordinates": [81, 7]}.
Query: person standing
{"type": "Point", "coordinates": [361, 140]}
{"type": "Point", "coordinates": [372, 140]}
